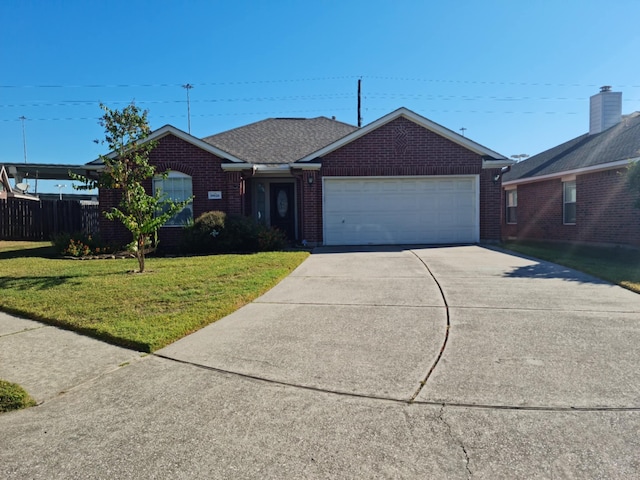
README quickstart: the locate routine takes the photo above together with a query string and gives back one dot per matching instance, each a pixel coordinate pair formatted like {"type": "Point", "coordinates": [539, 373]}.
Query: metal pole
{"type": "Point", "coordinates": [188, 87]}
{"type": "Point", "coordinates": [24, 138]}
{"type": "Point", "coordinates": [359, 102]}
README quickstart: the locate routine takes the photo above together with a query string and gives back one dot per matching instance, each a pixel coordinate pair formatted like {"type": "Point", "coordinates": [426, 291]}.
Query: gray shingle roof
{"type": "Point", "coordinates": [620, 142]}
{"type": "Point", "coordinates": [280, 140]}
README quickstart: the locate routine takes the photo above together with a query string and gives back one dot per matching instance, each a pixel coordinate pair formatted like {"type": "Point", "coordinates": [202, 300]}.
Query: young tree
{"type": "Point", "coordinates": [125, 169]}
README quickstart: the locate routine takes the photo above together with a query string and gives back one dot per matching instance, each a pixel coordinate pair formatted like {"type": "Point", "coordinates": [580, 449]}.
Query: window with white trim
{"type": "Point", "coordinates": [569, 202]}
{"type": "Point", "coordinates": [176, 186]}
{"type": "Point", "coordinates": [512, 206]}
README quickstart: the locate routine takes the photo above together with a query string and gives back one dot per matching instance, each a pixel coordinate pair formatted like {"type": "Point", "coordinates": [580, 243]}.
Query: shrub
{"type": "Point", "coordinates": [270, 239]}
{"type": "Point", "coordinates": [80, 245]}
{"type": "Point", "coordinates": [199, 235]}
{"type": "Point", "coordinates": [211, 221]}
{"type": "Point", "coordinates": [13, 397]}
{"type": "Point", "coordinates": [240, 234]}
{"type": "Point", "coordinates": [216, 232]}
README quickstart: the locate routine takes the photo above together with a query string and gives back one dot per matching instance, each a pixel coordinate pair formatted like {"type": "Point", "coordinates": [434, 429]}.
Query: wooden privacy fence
{"type": "Point", "coordinates": [32, 220]}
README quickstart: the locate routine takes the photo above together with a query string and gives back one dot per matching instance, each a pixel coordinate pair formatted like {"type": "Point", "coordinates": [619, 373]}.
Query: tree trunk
{"type": "Point", "coordinates": [140, 253]}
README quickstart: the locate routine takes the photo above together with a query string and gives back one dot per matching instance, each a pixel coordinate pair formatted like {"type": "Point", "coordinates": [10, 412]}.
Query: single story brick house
{"type": "Point", "coordinates": [402, 179]}
{"type": "Point", "coordinates": [576, 191]}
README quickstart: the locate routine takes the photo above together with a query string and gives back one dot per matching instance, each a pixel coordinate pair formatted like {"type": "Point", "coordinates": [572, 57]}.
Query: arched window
{"type": "Point", "coordinates": [177, 187]}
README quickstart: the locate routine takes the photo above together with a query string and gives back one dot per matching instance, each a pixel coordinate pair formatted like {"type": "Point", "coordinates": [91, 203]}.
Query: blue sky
{"type": "Point", "coordinates": [516, 75]}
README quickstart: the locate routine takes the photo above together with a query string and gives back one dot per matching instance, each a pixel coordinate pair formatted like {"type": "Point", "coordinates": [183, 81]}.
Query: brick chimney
{"type": "Point", "coordinates": [605, 110]}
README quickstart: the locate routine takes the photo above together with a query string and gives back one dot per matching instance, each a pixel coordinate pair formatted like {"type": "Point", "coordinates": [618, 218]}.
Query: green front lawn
{"type": "Point", "coordinates": [614, 264]}
{"type": "Point", "coordinates": [177, 296]}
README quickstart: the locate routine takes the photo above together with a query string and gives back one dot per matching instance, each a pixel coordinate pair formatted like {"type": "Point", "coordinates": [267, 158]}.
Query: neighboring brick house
{"type": "Point", "coordinates": [401, 179]}
{"type": "Point", "coordinates": [577, 192]}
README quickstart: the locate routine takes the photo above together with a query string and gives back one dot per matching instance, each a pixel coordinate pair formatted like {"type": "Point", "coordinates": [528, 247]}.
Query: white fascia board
{"type": "Point", "coordinates": [284, 168]}
{"type": "Point", "coordinates": [574, 172]}
{"type": "Point", "coordinates": [487, 164]}
{"type": "Point", "coordinates": [414, 117]}
{"type": "Point", "coordinates": [306, 166]}
{"type": "Point", "coordinates": [171, 130]}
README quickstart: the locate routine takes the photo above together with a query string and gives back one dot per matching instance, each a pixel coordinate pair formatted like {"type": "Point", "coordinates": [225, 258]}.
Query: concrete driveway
{"type": "Point", "coordinates": [452, 362]}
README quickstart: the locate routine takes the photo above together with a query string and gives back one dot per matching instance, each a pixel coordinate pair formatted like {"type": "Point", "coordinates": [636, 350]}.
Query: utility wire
{"type": "Point", "coordinates": [316, 79]}
{"type": "Point", "coordinates": [319, 97]}
{"type": "Point", "coordinates": [239, 114]}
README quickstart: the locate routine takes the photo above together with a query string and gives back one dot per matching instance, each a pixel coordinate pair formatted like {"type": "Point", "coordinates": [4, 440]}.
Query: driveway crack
{"type": "Point", "coordinates": [446, 333]}
{"type": "Point", "coordinates": [462, 447]}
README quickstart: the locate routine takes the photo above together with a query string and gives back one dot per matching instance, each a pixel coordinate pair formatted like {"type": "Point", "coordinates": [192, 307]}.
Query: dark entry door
{"type": "Point", "coordinates": [282, 208]}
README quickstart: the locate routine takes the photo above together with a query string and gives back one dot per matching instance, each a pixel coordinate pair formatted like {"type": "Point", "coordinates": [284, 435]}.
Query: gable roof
{"type": "Point", "coordinates": [279, 140]}
{"type": "Point", "coordinates": [171, 130]}
{"type": "Point", "coordinates": [422, 121]}
{"type": "Point", "coordinates": [615, 146]}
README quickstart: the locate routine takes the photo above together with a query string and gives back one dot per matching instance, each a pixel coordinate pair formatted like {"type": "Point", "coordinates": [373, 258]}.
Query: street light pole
{"type": "Point", "coordinates": [60, 187]}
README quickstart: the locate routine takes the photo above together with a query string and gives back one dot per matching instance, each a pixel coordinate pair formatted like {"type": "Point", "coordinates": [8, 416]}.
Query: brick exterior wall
{"type": "Point", "coordinates": [403, 148]}
{"type": "Point", "coordinates": [604, 211]}
{"type": "Point", "coordinates": [175, 154]}
{"type": "Point", "coordinates": [399, 148]}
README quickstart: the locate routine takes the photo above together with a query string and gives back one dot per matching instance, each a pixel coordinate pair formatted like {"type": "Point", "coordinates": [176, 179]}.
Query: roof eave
{"type": "Point", "coordinates": [575, 171]}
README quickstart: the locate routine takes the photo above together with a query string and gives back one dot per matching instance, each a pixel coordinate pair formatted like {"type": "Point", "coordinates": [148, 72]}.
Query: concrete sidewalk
{"type": "Point", "coordinates": [458, 362]}
{"type": "Point", "coordinates": [48, 361]}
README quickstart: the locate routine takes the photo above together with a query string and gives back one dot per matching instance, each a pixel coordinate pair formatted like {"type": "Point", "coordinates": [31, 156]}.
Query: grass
{"type": "Point", "coordinates": [13, 397]}
{"type": "Point", "coordinates": [614, 264]}
{"type": "Point", "coordinates": [176, 297]}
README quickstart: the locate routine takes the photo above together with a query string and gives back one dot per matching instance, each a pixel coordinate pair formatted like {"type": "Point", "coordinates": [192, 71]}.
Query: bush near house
{"type": "Point", "coordinates": [80, 245]}
{"type": "Point", "coordinates": [216, 232]}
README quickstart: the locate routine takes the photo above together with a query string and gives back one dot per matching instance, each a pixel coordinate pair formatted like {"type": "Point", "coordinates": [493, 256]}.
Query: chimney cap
{"type": "Point", "coordinates": [605, 88]}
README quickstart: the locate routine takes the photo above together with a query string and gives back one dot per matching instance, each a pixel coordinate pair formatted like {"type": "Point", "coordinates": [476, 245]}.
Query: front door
{"type": "Point", "coordinates": [282, 208]}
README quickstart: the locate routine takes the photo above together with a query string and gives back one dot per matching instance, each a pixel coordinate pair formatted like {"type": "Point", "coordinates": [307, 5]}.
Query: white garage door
{"type": "Point", "coordinates": [400, 210]}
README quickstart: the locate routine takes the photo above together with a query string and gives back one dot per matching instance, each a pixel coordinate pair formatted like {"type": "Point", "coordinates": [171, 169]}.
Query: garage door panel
{"type": "Point", "coordinates": [400, 210]}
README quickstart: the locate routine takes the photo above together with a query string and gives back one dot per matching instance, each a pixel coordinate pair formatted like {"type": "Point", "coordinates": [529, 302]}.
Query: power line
{"type": "Point", "coordinates": [282, 112]}
{"type": "Point", "coordinates": [316, 79]}
{"type": "Point", "coordinates": [171, 85]}
{"type": "Point", "coordinates": [66, 103]}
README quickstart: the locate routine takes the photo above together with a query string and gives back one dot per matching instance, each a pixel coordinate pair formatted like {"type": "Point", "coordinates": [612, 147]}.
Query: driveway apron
{"type": "Point", "coordinates": [367, 322]}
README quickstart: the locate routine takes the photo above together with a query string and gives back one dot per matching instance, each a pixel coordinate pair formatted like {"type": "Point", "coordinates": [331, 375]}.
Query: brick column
{"type": "Point", "coordinates": [234, 193]}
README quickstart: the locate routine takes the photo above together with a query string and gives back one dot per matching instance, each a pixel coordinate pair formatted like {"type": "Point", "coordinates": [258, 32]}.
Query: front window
{"type": "Point", "coordinates": [569, 203]}
{"type": "Point", "coordinates": [177, 187]}
{"type": "Point", "coordinates": [512, 206]}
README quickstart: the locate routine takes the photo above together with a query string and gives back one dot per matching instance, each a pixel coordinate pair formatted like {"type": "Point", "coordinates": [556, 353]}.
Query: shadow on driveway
{"type": "Point", "coordinates": [545, 270]}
